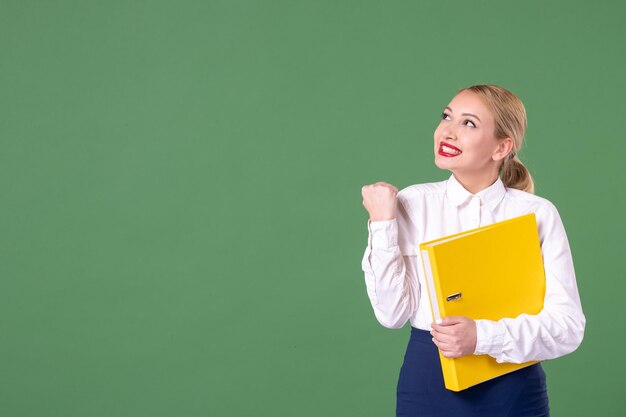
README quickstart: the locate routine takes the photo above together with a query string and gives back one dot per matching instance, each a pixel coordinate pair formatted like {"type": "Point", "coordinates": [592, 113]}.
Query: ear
{"type": "Point", "coordinates": [505, 146]}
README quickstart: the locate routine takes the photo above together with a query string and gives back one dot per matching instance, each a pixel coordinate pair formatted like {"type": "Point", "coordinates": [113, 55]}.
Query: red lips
{"type": "Point", "coordinates": [441, 152]}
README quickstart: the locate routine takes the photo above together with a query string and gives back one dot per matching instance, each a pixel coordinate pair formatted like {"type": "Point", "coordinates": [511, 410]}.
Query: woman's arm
{"type": "Point", "coordinates": [390, 277]}
{"type": "Point", "coordinates": [559, 328]}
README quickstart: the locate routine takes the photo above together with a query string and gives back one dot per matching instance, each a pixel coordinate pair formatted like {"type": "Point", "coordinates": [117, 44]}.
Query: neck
{"type": "Point", "coordinates": [475, 183]}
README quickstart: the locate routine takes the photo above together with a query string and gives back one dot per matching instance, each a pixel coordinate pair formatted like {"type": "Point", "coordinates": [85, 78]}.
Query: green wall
{"type": "Point", "coordinates": [181, 223]}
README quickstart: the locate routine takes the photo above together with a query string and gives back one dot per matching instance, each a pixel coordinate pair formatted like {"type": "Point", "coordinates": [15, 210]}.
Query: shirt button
{"type": "Point", "coordinates": [475, 211]}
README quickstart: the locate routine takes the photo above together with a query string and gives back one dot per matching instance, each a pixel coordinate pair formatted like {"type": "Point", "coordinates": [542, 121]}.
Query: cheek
{"type": "Point", "coordinates": [437, 132]}
{"type": "Point", "coordinates": [476, 148]}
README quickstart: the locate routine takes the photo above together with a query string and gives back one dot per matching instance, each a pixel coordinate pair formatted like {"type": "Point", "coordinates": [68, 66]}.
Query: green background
{"type": "Point", "coordinates": [180, 186]}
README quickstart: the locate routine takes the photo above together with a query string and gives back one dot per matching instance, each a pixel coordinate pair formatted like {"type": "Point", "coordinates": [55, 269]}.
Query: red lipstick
{"type": "Point", "coordinates": [442, 153]}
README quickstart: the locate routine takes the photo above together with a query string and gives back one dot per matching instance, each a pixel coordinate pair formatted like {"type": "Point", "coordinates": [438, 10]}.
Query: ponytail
{"type": "Point", "coordinates": [514, 174]}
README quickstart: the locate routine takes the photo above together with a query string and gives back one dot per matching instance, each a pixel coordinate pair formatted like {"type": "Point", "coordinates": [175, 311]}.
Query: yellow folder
{"type": "Point", "coordinates": [490, 272]}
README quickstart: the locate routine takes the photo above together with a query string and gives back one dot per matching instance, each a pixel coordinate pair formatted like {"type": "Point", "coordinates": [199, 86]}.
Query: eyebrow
{"type": "Point", "coordinates": [466, 114]}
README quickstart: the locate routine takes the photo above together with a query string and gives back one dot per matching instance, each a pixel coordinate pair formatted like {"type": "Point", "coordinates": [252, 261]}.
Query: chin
{"type": "Point", "coordinates": [441, 164]}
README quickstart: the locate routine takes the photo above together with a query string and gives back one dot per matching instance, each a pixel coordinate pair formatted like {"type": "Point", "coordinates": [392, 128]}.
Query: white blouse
{"type": "Point", "coordinates": [394, 276]}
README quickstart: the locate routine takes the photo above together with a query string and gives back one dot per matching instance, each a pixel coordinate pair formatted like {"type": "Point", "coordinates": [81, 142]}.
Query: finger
{"type": "Point", "coordinates": [387, 185]}
{"type": "Point", "coordinates": [446, 350]}
{"type": "Point", "coordinates": [444, 346]}
{"type": "Point", "coordinates": [444, 338]}
{"type": "Point", "coordinates": [451, 354]}
{"type": "Point", "coordinates": [452, 320]}
{"type": "Point", "coordinates": [437, 343]}
{"type": "Point", "coordinates": [443, 329]}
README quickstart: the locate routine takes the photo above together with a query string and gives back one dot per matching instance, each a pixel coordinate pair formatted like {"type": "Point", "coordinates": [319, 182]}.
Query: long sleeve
{"type": "Point", "coordinates": [559, 328]}
{"type": "Point", "coordinates": [390, 277]}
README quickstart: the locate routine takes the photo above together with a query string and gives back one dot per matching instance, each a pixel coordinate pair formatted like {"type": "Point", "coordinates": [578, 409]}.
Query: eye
{"type": "Point", "coordinates": [469, 121]}
{"type": "Point", "coordinates": [444, 115]}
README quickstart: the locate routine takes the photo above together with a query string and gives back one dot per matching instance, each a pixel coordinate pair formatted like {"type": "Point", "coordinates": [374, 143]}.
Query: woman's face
{"type": "Point", "coordinates": [465, 140]}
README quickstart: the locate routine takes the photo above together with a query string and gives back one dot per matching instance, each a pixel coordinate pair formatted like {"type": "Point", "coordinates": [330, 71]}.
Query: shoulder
{"type": "Point", "coordinates": [546, 212]}
{"type": "Point", "coordinates": [532, 201]}
{"type": "Point", "coordinates": [415, 192]}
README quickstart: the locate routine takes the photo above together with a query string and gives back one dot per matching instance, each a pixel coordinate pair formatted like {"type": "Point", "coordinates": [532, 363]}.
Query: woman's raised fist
{"type": "Point", "coordinates": [379, 199]}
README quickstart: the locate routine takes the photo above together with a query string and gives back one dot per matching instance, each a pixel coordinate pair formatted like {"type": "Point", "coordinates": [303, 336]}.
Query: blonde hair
{"type": "Point", "coordinates": [510, 119]}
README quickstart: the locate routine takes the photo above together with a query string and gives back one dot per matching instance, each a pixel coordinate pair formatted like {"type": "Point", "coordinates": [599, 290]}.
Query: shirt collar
{"type": "Point", "coordinates": [490, 196]}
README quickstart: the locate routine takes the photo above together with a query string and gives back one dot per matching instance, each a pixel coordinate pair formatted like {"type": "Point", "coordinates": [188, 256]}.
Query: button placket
{"type": "Point", "coordinates": [474, 209]}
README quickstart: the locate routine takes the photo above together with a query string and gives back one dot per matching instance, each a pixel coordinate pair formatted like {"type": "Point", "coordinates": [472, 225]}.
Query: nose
{"type": "Point", "coordinates": [448, 132]}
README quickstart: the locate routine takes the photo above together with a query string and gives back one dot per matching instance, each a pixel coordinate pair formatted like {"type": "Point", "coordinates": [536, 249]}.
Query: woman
{"type": "Point", "coordinates": [478, 138]}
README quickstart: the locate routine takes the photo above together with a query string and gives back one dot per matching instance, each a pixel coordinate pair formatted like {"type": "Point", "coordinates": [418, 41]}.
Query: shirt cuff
{"type": "Point", "coordinates": [489, 337]}
{"type": "Point", "coordinates": [383, 234]}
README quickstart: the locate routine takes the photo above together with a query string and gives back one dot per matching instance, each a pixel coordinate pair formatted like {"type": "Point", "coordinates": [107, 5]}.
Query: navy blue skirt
{"type": "Point", "coordinates": [421, 391]}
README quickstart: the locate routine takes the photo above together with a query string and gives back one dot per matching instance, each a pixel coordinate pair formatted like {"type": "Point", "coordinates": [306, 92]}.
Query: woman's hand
{"type": "Point", "coordinates": [455, 336]}
{"type": "Point", "coordinates": [379, 199]}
